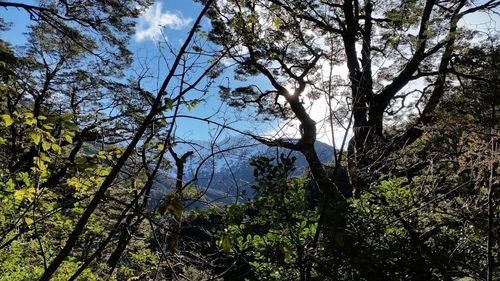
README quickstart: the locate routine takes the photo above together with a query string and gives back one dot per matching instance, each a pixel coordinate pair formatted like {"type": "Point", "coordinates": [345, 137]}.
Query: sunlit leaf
{"type": "Point", "coordinates": [29, 221]}
{"type": "Point", "coordinates": [68, 138]}
{"type": "Point", "coordinates": [277, 22]}
{"type": "Point", "coordinates": [36, 137]}
{"type": "Point", "coordinates": [56, 147]}
{"type": "Point", "coordinates": [46, 145]}
{"type": "Point", "coordinates": [7, 120]}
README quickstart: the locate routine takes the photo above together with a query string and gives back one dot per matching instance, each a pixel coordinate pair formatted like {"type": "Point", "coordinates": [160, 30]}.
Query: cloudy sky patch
{"type": "Point", "coordinates": [154, 19]}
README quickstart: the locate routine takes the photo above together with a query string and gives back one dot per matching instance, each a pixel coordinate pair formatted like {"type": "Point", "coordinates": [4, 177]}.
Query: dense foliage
{"type": "Point", "coordinates": [84, 144]}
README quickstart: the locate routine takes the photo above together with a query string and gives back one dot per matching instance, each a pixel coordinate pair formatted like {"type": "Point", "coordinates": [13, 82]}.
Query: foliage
{"type": "Point", "coordinates": [277, 236]}
{"type": "Point", "coordinates": [76, 125]}
{"type": "Point", "coordinates": [407, 233]}
{"type": "Point", "coordinates": [55, 98]}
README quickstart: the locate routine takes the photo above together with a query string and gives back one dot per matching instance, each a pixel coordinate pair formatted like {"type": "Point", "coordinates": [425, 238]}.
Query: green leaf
{"type": "Point", "coordinates": [46, 145]}
{"type": "Point", "coordinates": [47, 127]}
{"type": "Point", "coordinates": [30, 121]}
{"type": "Point", "coordinates": [19, 194]}
{"type": "Point", "coordinates": [10, 185]}
{"type": "Point", "coordinates": [277, 22]}
{"type": "Point", "coordinates": [7, 119]}
{"type": "Point", "coordinates": [67, 116]}
{"type": "Point", "coordinates": [68, 138]}
{"type": "Point", "coordinates": [287, 252]}
{"type": "Point", "coordinates": [56, 147]}
{"type": "Point", "coordinates": [22, 194]}
{"type": "Point", "coordinates": [41, 165]}
{"type": "Point", "coordinates": [226, 243]}
{"type": "Point", "coordinates": [44, 157]}
{"type": "Point", "coordinates": [36, 137]}
{"type": "Point", "coordinates": [29, 221]}
{"type": "Point", "coordinates": [169, 103]}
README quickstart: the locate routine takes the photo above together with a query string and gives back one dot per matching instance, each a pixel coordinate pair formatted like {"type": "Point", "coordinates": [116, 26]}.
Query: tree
{"type": "Point", "coordinates": [84, 143]}
{"type": "Point", "coordinates": [110, 23]}
{"type": "Point", "coordinates": [68, 164]}
{"type": "Point", "coordinates": [386, 46]}
{"type": "Point", "coordinates": [55, 106]}
{"type": "Point", "coordinates": [428, 223]}
{"type": "Point", "coordinates": [288, 41]}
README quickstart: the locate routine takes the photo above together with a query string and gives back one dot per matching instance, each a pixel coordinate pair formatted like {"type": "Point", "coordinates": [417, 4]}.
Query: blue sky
{"type": "Point", "coordinates": [171, 20]}
{"type": "Point", "coordinates": [176, 17]}
{"type": "Point", "coordinates": [18, 19]}
{"type": "Point", "coordinates": [166, 20]}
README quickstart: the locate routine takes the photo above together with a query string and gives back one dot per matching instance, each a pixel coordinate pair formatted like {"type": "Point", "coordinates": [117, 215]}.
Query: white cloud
{"type": "Point", "coordinates": [153, 20]}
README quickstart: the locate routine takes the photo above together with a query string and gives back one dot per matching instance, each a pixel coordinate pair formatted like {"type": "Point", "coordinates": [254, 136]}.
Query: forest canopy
{"type": "Point", "coordinates": [99, 182]}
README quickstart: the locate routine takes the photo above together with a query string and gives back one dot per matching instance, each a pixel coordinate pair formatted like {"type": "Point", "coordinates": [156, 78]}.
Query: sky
{"type": "Point", "coordinates": [177, 17]}
{"type": "Point", "coordinates": [171, 20]}
{"type": "Point", "coordinates": [176, 20]}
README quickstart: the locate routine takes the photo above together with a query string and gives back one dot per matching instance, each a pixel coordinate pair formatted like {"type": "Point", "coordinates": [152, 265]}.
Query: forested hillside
{"type": "Point", "coordinates": [100, 181]}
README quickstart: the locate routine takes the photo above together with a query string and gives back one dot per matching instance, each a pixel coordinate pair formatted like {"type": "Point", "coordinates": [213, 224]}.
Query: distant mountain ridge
{"type": "Point", "coordinates": [224, 168]}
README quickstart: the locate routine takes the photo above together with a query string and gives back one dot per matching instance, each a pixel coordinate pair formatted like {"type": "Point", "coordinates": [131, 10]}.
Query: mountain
{"type": "Point", "coordinates": [223, 167]}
